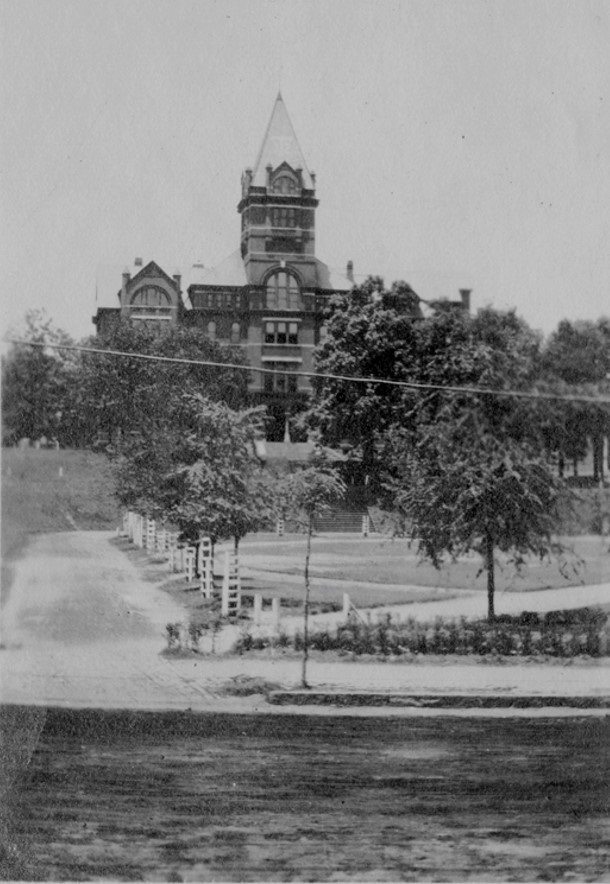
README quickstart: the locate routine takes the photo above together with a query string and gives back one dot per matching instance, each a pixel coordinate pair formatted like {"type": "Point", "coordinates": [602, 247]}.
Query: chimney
{"type": "Point", "coordinates": [137, 262]}
{"type": "Point", "coordinates": [465, 296]}
{"type": "Point", "coordinates": [177, 279]}
{"type": "Point", "coordinates": [126, 278]}
{"type": "Point", "coordinates": [350, 271]}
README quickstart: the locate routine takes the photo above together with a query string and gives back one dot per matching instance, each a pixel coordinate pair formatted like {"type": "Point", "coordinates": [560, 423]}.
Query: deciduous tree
{"type": "Point", "coordinates": [464, 485]}
{"type": "Point", "coordinates": [306, 495]}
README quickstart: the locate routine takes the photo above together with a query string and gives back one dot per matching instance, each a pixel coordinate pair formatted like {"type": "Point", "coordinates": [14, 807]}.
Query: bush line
{"type": "Point", "coordinates": [557, 634]}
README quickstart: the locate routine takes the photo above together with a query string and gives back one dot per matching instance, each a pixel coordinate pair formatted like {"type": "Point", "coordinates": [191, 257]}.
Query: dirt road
{"type": "Point", "coordinates": [82, 628]}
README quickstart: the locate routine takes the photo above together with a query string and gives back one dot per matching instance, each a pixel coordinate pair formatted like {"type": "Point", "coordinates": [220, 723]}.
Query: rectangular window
{"type": "Point", "coordinates": [282, 333]}
{"type": "Point", "coordinates": [283, 217]}
{"type": "Point", "coordinates": [281, 381]}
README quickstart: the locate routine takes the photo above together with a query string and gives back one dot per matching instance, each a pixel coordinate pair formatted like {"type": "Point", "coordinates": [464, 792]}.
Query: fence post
{"type": "Point", "coordinates": [151, 533]}
{"type": "Point", "coordinates": [231, 596]}
{"type": "Point", "coordinates": [280, 528]}
{"type": "Point", "coordinates": [189, 563]}
{"type": "Point", "coordinates": [366, 525]}
{"type": "Point", "coordinates": [346, 604]}
{"type": "Point", "coordinates": [275, 613]}
{"type": "Point", "coordinates": [258, 608]}
{"type": "Point", "coordinates": [206, 567]}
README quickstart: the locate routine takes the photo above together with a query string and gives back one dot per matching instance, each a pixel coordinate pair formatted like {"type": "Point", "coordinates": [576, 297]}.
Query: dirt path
{"type": "Point", "coordinates": [83, 629]}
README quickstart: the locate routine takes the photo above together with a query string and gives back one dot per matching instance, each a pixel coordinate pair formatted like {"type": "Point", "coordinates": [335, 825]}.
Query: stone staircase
{"type": "Point", "coordinates": [344, 522]}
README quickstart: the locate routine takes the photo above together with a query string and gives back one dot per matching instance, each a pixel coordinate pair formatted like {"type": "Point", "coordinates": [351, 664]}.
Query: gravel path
{"type": "Point", "coordinates": [82, 628]}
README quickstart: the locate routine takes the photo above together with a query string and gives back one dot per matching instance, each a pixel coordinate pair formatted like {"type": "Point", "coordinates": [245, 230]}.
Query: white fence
{"type": "Point", "coordinates": [196, 562]}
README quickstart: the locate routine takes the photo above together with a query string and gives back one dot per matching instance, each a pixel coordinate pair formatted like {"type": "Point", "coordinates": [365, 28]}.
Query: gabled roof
{"type": "Point", "coordinates": [151, 269]}
{"type": "Point", "coordinates": [280, 145]}
{"type": "Point", "coordinates": [109, 278]}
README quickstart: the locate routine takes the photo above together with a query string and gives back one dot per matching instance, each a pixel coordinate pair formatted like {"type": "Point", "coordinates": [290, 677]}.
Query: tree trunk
{"type": "Point", "coordinates": [491, 586]}
{"type": "Point", "coordinates": [306, 607]}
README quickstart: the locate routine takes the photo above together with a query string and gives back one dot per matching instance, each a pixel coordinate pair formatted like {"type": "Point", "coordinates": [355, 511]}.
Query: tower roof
{"type": "Point", "coordinates": [280, 145]}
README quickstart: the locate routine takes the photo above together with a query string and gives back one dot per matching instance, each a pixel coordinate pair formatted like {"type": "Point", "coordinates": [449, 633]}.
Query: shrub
{"type": "Point", "coordinates": [174, 636]}
{"type": "Point", "coordinates": [195, 631]}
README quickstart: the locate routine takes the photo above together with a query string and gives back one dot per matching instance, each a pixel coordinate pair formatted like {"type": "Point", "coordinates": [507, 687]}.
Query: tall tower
{"type": "Point", "coordinates": [277, 210]}
{"type": "Point", "coordinates": [269, 295]}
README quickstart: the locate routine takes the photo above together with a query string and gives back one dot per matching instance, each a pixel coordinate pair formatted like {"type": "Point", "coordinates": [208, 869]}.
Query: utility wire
{"type": "Point", "coordinates": [410, 385]}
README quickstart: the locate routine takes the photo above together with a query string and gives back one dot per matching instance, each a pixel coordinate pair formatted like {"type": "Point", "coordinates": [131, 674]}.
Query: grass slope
{"type": "Point", "coordinates": [47, 491]}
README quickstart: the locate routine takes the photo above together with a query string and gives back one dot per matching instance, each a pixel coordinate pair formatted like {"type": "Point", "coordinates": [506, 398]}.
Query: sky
{"type": "Point", "coordinates": [456, 143]}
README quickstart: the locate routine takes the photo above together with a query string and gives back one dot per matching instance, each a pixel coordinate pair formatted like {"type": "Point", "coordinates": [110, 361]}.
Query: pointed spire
{"type": "Point", "coordinates": [280, 145]}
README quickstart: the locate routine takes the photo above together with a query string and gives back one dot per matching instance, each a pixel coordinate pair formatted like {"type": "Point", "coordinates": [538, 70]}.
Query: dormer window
{"type": "Point", "coordinates": [284, 184]}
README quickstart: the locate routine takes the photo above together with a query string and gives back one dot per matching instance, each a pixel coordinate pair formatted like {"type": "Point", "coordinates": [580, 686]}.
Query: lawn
{"type": "Point", "coordinates": [374, 571]}
{"type": "Point", "coordinates": [395, 563]}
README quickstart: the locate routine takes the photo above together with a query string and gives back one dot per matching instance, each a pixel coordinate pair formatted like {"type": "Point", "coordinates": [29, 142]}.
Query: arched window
{"type": "Point", "coordinates": [235, 333]}
{"type": "Point", "coordinates": [283, 292]}
{"type": "Point", "coordinates": [151, 299]}
{"type": "Point", "coordinates": [212, 330]}
{"type": "Point", "coordinates": [284, 184]}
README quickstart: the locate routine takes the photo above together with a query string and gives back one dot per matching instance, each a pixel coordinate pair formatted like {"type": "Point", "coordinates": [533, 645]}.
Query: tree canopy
{"type": "Point", "coordinates": [121, 395]}
{"type": "Point", "coordinates": [38, 384]}
{"type": "Point", "coordinates": [201, 475]}
{"type": "Point", "coordinates": [467, 471]}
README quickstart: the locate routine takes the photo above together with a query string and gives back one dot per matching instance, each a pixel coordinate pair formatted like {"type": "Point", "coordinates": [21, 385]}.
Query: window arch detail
{"type": "Point", "coordinates": [284, 184]}
{"type": "Point", "coordinates": [150, 296]}
{"type": "Point", "coordinates": [283, 291]}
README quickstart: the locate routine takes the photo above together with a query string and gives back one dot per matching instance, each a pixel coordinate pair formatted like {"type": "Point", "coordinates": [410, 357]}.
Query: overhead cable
{"type": "Point", "coordinates": [410, 385]}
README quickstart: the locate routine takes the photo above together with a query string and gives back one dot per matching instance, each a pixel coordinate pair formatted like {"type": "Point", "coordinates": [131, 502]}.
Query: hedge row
{"type": "Point", "coordinates": [558, 634]}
